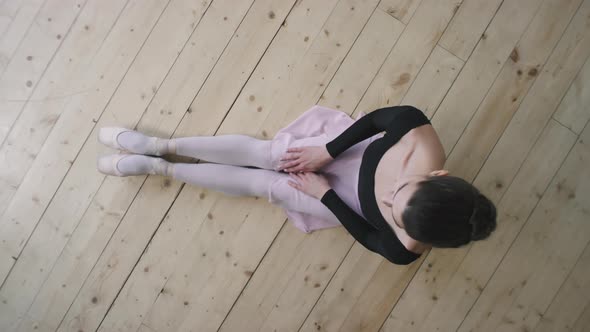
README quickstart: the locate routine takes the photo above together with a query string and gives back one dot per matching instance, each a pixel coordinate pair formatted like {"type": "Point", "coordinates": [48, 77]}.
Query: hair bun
{"type": "Point", "coordinates": [483, 219]}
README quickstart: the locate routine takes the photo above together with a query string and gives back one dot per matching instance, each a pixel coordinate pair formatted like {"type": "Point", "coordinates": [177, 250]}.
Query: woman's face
{"type": "Point", "coordinates": [397, 199]}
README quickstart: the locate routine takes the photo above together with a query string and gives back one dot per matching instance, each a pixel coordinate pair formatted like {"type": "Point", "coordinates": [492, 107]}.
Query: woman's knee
{"type": "Point", "coordinates": [282, 194]}
{"type": "Point", "coordinates": [262, 153]}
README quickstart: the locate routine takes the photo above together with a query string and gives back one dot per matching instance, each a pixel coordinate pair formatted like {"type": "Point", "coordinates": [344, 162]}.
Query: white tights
{"type": "Point", "coordinates": [226, 154]}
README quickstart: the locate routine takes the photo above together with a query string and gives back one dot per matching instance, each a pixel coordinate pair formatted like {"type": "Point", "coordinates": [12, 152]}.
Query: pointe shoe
{"type": "Point", "coordinates": [136, 165]}
{"type": "Point", "coordinates": [108, 136]}
{"type": "Point", "coordinates": [152, 146]}
{"type": "Point", "coordinates": [108, 164]}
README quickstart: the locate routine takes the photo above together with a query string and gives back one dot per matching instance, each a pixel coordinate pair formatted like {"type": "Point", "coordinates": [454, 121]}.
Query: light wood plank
{"type": "Point", "coordinates": [481, 69]}
{"type": "Point", "coordinates": [27, 324]}
{"type": "Point", "coordinates": [263, 302]}
{"type": "Point", "coordinates": [536, 109]}
{"type": "Point", "coordinates": [409, 55]}
{"type": "Point", "coordinates": [73, 126]}
{"type": "Point", "coordinates": [359, 269]}
{"type": "Point", "coordinates": [209, 301]}
{"type": "Point", "coordinates": [177, 241]}
{"type": "Point", "coordinates": [196, 19]}
{"type": "Point", "coordinates": [145, 328]}
{"type": "Point", "coordinates": [305, 272]}
{"type": "Point", "coordinates": [584, 321]}
{"type": "Point", "coordinates": [573, 111]}
{"type": "Point", "coordinates": [371, 48]}
{"type": "Point", "coordinates": [361, 266]}
{"type": "Point", "coordinates": [64, 78]}
{"type": "Point", "coordinates": [158, 193]}
{"type": "Point", "coordinates": [435, 79]}
{"type": "Point", "coordinates": [361, 294]}
{"type": "Point", "coordinates": [209, 99]}
{"type": "Point", "coordinates": [388, 284]}
{"type": "Point", "coordinates": [202, 263]}
{"type": "Point", "coordinates": [20, 77]}
{"type": "Point", "coordinates": [6, 262]}
{"type": "Point", "coordinates": [453, 290]}
{"type": "Point", "coordinates": [371, 308]}
{"type": "Point", "coordinates": [460, 301]}
{"type": "Point", "coordinates": [511, 86]}
{"type": "Point", "coordinates": [61, 216]}
{"type": "Point", "coordinates": [377, 298]}
{"type": "Point", "coordinates": [347, 302]}
{"type": "Point", "coordinates": [8, 11]}
{"type": "Point", "coordinates": [15, 19]}
{"type": "Point", "coordinates": [403, 10]}
{"type": "Point", "coordinates": [119, 258]}
{"type": "Point", "coordinates": [468, 25]}
{"type": "Point", "coordinates": [543, 253]}
{"type": "Point", "coordinates": [571, 299]}
{"type": "Point", "coordinates": [277, 70]}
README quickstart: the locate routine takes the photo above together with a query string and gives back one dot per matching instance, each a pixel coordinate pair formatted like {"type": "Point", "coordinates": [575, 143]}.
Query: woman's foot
{"type": "Point", "coordinates": [133, 164]}
{"type": "Point", "coordinates": [134, 141]}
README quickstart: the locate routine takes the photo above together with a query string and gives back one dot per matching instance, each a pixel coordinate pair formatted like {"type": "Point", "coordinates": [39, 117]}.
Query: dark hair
{"type": "Point", "coordinates": [448, 212]}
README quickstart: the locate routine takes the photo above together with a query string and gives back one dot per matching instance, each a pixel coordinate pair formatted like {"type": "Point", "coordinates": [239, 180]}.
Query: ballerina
{"type": "Point", "coordinates": [327, 170]}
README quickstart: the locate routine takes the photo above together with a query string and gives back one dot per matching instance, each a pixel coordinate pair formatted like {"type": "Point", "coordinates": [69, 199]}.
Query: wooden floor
{"type": "Point", "coordinates": [506, 85]}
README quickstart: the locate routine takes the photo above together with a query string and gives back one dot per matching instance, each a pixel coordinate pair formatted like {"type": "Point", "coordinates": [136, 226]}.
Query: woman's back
{"type": "Point", "coordinates": [418, 152]}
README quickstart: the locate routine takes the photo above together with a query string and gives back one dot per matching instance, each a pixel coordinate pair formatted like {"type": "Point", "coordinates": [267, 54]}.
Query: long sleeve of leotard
{"type": "Point", "coordinates": [396, 121]}
{"type": "Point", "coordinates": [383, 242]}
{"type": "Point", "coordinates": [370, 124]}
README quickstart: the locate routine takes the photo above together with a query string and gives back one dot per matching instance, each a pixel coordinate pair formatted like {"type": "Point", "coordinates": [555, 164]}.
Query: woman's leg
{"type": "Point", "coordinates": [233, 149]}
{"type": "Point", "coordinates": [238, 150]}
{"type": "Point", "coordinates": [236, 181]}
{"type": "Point", "coordinates": [241, 181]}
{"type": "Point", "coordinates": [284, 195]}
{"type": "Point", "coordinates": [228, 179]}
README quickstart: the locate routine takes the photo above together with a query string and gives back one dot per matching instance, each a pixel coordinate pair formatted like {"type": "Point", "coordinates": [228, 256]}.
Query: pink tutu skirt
{"type": "Point", "coordinates": [315, 127]}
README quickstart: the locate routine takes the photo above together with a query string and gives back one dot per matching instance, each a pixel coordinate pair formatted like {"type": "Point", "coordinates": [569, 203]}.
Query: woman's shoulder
{"type": "Point", "coordinates": [409, 243]}
{"type": "Point", "coordinates": [416, 246]}
{"type": "Point", "coordinates": [427, 146]}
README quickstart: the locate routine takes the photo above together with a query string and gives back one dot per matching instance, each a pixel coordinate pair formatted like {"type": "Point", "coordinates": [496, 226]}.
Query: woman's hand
{"type": "Point", "coordinates": [310, 183]}
{"type": "Point", "coordinates": [305, 159]}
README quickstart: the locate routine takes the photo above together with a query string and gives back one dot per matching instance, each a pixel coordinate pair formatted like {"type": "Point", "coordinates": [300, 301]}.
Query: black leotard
{"type": "Point", "coordinates": [374, 234]}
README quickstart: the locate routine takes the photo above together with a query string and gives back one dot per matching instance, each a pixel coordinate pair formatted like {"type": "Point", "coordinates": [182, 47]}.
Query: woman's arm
{"type": "Point", "coordinates": [383, 119]}
{"type": "Point", "coordinates": [382, 242]}
{"type": "Point", "coordinates": [356, 225]}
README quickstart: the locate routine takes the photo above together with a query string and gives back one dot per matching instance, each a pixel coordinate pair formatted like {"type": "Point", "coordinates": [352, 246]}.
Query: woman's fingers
{"type": "Point", "coordinates": [297, 168]}
{"type": "Point", "coordinates": [291, 156]}
{"type": "Point", "coordinates": [298, 181]}
{"type": "Point", "coordinates": [285, 165]}
{"type": "Point", "coordinates": [290, 164]}
{"type": "Point", "coordinates": [298, 176]}
{"type": "Point", "coordinates": [295, 185]}
{"type": "Point", "coordinates": [295, 177]}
